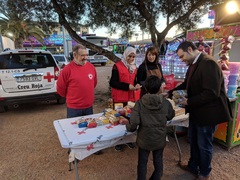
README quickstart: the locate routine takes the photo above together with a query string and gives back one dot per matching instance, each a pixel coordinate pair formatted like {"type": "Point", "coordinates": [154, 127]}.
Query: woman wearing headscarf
{"type": "Point", "coordinates": [123, 82]}
{"type": "Point", "coordinates": [123, 79]}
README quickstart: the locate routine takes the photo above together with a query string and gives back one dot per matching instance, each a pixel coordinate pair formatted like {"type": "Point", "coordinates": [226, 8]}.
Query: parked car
{"type": "Point", "coordinates": [98, 59]}
{"type": "Point", "coordinates": [93, 58]}
{"type": "Point", "coordinates": [61, 60]}
{"type": "Point", "coordinates": [26, 76]}
{"type": "Point", "coordinates": [119, 55]}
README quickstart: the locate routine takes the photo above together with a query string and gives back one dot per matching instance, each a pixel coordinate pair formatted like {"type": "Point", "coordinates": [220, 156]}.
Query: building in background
{"type": "Point", "coordinates": [5, 43]}
{"type": "Point", "coordinates": [54, 42]}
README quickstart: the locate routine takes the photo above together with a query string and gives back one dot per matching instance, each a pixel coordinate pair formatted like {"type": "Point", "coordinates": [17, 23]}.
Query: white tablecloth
{"type": "Point", "coordinates": [86, 141]}
{"type": "Point", "coordinates": [181, 120]}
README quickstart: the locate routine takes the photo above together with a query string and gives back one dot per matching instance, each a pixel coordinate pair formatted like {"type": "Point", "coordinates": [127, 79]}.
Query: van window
{"type": "Point", "coordinates": [27, 60]}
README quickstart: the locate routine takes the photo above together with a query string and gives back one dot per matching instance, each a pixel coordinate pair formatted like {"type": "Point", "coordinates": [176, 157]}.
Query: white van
{"type": "Point", "coordinates": [26, 76]}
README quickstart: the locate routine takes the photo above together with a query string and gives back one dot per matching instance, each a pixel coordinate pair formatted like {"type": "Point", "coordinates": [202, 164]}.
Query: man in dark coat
{"type": "Point", "coordinates": [206, 103]}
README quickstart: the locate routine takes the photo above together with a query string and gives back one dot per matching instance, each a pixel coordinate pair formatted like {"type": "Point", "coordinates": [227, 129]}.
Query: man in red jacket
{"type": "Point", "coordinates": [76, 83]}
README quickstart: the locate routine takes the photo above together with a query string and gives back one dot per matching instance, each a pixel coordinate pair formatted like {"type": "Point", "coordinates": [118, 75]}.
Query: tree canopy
{"type": "Point", "coordinates": [124, 15]}
{"type": "Point", "coordinates": [127, 14]}
{"type": "Point", "coordinates": [18, 30]}
{"type": "Point", "coordinates": [16, 21]}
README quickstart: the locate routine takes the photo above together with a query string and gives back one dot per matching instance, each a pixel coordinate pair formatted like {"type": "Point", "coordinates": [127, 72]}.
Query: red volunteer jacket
{"type": "Point", "coordinates": [127, 77]}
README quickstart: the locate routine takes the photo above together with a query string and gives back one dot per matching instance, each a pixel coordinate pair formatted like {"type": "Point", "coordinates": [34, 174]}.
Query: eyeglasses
{"type": "Point", "coordinates": [82, 55]}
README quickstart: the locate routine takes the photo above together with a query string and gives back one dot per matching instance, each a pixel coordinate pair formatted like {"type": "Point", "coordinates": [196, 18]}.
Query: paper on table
{"type": "Point", "coordinates": [181, 120]}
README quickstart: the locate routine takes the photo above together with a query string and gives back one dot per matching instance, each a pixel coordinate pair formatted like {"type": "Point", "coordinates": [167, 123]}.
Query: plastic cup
{"type": "Point", "coordinates": [232, 89]}
{"type": "Point", "coordinates": [233, 79]}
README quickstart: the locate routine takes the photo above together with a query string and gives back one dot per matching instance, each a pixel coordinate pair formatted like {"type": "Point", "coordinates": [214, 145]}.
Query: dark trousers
{"type": "Point", "coordinates": [142, 164]}
{"type": "Point", "coordinates": [79, 112]}
{"type": "Point", "coordinates": [201, 147]}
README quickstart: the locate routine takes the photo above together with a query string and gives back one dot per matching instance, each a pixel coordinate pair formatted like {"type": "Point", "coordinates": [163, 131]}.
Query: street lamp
{"type": "Point", "coordinates": [232, 7]}
{"type": "Point", "coordinates": [10, 34]}
{"type": "Point", "coordinates": [227, 12]}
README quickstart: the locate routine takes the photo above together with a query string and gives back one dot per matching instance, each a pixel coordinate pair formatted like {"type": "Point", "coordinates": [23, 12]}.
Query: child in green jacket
{"type": "Point", "coordinates": [149, 117]}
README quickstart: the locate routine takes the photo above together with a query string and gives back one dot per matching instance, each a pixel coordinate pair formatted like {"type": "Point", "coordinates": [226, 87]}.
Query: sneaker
{"type": "Point", "coordinates": [119, 148]}
{"type": "Point", "coordinates": [131, 145]}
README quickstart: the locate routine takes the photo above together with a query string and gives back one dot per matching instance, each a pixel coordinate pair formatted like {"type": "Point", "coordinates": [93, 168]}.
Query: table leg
{"type": "Point", "coordinates": [69, 164]}
{"type": "Point", "coordinates": [75, 165]}
{"type": "Point", "coordinates": [178, 146]}
{"type": "Point", "coordinates": [76, 168]}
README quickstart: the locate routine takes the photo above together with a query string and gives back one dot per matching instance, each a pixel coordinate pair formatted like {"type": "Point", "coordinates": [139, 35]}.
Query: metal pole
{"type": "Point", "coordinates": [178, 146]}
{"type": "Point", "coordinates": [64, 42]}
{"type": "Point", "coordinates": [76, 168]}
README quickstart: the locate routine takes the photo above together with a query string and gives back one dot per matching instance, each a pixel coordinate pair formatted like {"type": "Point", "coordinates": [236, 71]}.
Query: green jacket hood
{"type": "Point", "coordinates": [152, 101]}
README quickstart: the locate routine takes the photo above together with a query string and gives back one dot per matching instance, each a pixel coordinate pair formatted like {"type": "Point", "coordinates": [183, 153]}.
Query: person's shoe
{"type": "Point", "coordinates": [130, 145]}
{"type": "Point", "coordinates": [98, 152]}
{"type": "Point", "coordinates": [119, 148]}
{"type": "Point", "coordinates": [186, 168]}
{"type": "Point", "coordinates": [200, 177]}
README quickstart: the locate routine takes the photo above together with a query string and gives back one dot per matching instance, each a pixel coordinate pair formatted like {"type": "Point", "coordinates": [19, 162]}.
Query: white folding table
{"type": "Point", "coordinates": [82, 142]}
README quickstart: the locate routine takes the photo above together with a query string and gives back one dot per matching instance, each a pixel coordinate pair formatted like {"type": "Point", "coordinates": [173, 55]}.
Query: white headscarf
{"type": "Point", "coordinates": [131, 67]}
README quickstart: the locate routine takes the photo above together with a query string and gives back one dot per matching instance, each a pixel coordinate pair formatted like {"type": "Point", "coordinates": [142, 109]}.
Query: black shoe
{"type": "Point", "coordinates": [186, 168]}
{"type": "Point", "coordinates": [202, 177]}
{"type": "Point", "coordinates": [119, 148]}
{"type": "Point", "coordinates": [131, 145]}
{"type": "Point", "coordinates": [98, 152]}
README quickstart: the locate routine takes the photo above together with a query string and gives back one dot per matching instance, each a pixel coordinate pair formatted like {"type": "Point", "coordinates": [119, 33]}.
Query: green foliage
{"type": "Point", "coordinates": [123, 15]}
{"type": "Point", "coordinates": [126, 15]}
{"type": "Point", "coordinates": [18, 23]}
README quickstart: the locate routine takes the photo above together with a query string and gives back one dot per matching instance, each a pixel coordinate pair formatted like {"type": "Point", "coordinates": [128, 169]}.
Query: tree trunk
{"type": "Point", "coordinates": [18, 43]}
{"type": "Point", "coordinates": [73, 34]}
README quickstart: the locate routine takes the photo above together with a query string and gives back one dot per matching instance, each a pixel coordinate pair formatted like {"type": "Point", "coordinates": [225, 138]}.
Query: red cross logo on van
{"type": "Point", "coordinates": [48, 77]}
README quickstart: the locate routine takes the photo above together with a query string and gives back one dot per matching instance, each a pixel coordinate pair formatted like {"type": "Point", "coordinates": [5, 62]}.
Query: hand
{"type": "Point", "coordinates": [165, 94]}
{"type": "Point", "coordinates": [131, 87]}
{"type": "Point", "coordinates": [123, 121]}
{"type": "Point", "coordinates": [163, 85]}
{"type": "Point", "coordinates": [184, 101]}
{"type": "Point", "coordinates": [137, 86]}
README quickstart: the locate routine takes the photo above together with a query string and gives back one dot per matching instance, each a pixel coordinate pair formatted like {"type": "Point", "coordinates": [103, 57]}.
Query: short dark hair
{"type": "Point", "coordinates": [153, 84]}
{"type": "Point", "coordinates": [184, 46]}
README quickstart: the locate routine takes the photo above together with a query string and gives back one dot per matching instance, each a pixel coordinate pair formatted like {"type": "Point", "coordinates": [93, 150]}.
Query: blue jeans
{"type": "Point", "coordinates": [79, 112]}
{"type": "Point", "coordinates": [142, 164]}
{"type": "Point", "coordinates": [201, 147]}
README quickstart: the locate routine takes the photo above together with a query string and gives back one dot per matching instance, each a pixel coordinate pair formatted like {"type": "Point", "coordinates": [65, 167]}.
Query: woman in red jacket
{"type": "Point", "coordinates": [123, 82]}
